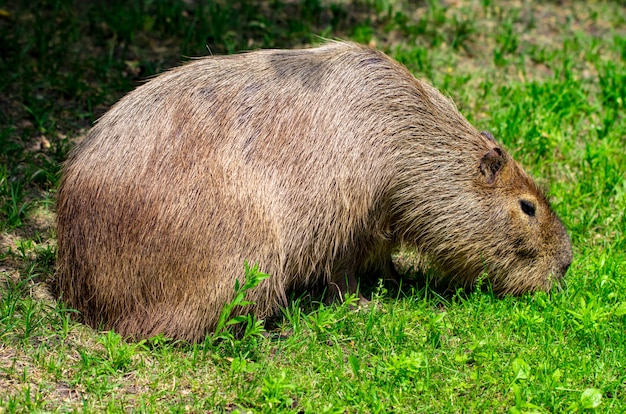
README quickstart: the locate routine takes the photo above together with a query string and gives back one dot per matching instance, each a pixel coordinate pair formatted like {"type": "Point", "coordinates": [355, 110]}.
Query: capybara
{"type": "Point", "coordinates": [314, 164]}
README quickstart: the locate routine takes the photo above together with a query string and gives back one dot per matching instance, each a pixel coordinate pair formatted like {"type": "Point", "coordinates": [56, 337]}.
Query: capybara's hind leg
{"type": "Point", "coordinates": [389, 271]}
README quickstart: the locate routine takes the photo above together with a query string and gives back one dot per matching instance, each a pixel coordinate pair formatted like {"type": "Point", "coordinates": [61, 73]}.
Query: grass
{"type": "Point", "coordinates": [548, 80]}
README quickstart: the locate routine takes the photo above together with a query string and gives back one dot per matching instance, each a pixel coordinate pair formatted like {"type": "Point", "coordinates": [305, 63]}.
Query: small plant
{"type": "Point", "coordinates": [362, 33]}
{"type": "Point", "coordinates": [119, 353]}
{"type": "Point", "coordinates": [19, 313]}
{"type": "Point", "coordinates": [590, 398]}
{"type": "Point", "coordinates": [507, 41]}
{"type": "Point", "coordinates": [13, 207]}
{"type": "Point", "coordinates": [276, 390]}
{"type": "Point", "coordinates": [463, 29]}
{"type": "Point", "coordinates": [252, 326]}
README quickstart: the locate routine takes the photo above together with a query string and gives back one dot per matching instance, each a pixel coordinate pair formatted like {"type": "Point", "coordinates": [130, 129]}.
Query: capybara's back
{"type": "Point", "coordinates": [314, 163]}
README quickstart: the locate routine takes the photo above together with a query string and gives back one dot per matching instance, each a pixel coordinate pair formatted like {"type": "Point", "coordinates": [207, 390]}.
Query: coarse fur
{"type": "Point", "coordinates": [313, 163]}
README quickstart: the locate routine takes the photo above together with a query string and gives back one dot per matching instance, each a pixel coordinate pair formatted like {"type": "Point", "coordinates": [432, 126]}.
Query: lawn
{"type": "Point", "coordinates": [548, 80]}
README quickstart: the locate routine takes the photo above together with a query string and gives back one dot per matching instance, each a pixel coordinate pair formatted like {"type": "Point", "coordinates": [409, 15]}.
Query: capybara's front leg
{"type": "Point", "coordinates": [342, 284]}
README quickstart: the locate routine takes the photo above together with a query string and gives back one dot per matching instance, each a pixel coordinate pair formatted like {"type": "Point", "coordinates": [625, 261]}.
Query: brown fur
{"type": "Point", "coordinates": [315, 164]}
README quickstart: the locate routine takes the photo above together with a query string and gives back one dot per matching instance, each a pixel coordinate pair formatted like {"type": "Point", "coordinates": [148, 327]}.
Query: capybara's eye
{"type": "Point", "coordinates": [528, 207]}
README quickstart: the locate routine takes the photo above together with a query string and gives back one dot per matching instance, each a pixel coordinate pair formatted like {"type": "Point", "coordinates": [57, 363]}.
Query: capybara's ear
{"type": "Point", "coordinates": [488, 135]}
{"type": "Point", "coordinates": [491, 163]}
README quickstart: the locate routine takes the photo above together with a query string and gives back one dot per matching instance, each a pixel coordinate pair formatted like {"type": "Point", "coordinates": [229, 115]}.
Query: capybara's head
{"type": "Point", "coordinates": [483, 217]}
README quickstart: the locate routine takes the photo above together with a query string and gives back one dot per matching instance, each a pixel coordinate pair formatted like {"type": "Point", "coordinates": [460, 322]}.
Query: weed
{"type": "Point", "coordinates": [276, 390]}
{"type": "Point", "coordinates": [506, 40]}
{"type": "Point", "coordinates": [252, 326]}
{"type": "Point", "coordinates": [14, 208]}
{"type": "Point", "coordinates": [463, 28]}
